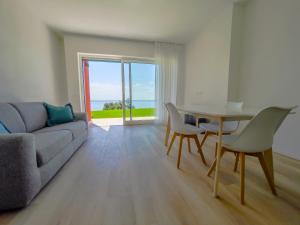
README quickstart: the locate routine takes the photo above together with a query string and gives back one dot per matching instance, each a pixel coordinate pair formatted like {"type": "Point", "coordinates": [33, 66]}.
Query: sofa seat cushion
{"type": "Point", "coordinates": [77, 128]}
{"type": "Point", "coordinates": [49, 144]}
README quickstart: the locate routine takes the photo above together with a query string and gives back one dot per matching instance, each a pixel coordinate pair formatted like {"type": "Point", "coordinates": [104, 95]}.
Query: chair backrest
{"type": "Point", "coordinates": [176, 120]}
{"type": "Point", "coordinates": [258, 134]}
{"type": "Point", "coordinates": [234, 106]}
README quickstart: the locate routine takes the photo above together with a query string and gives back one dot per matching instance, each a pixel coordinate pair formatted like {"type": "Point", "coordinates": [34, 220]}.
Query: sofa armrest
{"type": "Point", "coordinates": [81, 116]}
{"type": "Point", "coordinates": [19, 175]}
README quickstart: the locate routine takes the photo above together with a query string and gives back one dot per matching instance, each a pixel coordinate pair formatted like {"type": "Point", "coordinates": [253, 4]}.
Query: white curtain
{"type": "Point", "coordinates": [167, 57]}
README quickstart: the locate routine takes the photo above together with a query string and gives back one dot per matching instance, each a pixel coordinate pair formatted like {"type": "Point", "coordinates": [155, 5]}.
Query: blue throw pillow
{"type": "Point", "coordinates": [59, 114]}
{"type": "Point", "coordinates": [3, 129]}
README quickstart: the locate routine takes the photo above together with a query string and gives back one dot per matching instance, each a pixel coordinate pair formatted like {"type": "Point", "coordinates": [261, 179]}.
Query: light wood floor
{"type": "Point", "coordinates": [123, 176]}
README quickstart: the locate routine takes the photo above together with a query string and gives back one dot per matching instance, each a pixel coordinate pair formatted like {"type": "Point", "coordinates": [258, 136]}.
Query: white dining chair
{"type": "Point", "coordinates": [229, 127]}
{"type": "Point", "coordinates": [182, 131]}
{"type": "Point", "coordinates": [255, 139]}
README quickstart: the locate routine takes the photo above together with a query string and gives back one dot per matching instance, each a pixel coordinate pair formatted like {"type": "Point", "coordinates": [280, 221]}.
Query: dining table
{"type": "Point", "coordinates": [220, 114]}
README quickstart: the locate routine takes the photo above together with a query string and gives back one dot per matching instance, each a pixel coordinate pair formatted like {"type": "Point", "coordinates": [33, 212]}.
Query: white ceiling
{"type": "Point", "coordinates": [154, 20]}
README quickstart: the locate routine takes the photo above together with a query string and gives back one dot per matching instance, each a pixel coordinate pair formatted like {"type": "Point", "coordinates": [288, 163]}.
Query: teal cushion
{"type": "Point", "coordinates": [59, 114]}
{"type": "Point", "coordinates": [3, 129]}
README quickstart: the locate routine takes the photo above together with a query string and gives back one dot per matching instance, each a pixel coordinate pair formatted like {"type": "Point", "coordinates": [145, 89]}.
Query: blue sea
{"type": "Point", "coordinates": [98, 104]}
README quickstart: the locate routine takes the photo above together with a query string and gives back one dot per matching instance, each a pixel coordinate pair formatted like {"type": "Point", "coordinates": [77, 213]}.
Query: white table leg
{"type": "Point", "coordinates": [216, 180]}
{"type": "Point", "coordinates": [197, 121]}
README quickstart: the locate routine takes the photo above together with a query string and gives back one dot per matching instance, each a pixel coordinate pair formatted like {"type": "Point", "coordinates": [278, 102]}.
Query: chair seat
{"type": "Point", "coordinates": [228, 140]}
{"type": "Point", "coordinates": [76, 128]}
{"type": "Point", "coordinates": [228, 127]}
{"type": "Point", "coordinates": [189, 129]}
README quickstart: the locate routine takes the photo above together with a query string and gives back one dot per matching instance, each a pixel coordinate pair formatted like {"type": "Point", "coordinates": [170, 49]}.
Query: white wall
{"type": "Point", "coordinates": [260, 47]}
{"type": "Point", "coordinates": [97, 45]}
{"type": "Point", "coordinates": [207, 62]}
{"type": "Point", "coordinates": [235, 51]}
{"type": "Point", "coordinates": [270, 64]}
{"type": "Point", "coordinates": [32, 64]}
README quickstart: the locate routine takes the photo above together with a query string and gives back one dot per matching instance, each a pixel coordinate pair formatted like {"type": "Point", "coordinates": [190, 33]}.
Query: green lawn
{"type": "Point", "coordinates": [117, 113]}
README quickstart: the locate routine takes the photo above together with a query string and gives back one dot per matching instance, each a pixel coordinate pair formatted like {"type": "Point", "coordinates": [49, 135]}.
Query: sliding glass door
{"type": "Point", "coordinates": [139, 91]}
{"type": "Point", "coordinates": [119, 91]}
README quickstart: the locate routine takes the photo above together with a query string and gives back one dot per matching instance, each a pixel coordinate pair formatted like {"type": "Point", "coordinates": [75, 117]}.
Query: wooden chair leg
{"type": "Point", "coordinates": [199, 149]}
{"type": "Point", "coordinates": [203, 140]}
{"type": "Point", "coordinates": [172, 141]}
{"type": "Point", "coordinates": [168, 132]}
{"type": "Point", "coordinates": [189, 144]}
{"type": "Point", "coordinates": [268, 156]}
{"type": "Point", "coordinates": [179, 152]}
{"type": "Point", "coordinates": [216, 148]}
{"type": "Point", "coordinates": [236, 162]}
{"type": "Point", "coordinates": [213, 165]}
{"type": "Point", "coordinates": [266, 172]}
{"type": "Point", "coordinates": [242, 177]}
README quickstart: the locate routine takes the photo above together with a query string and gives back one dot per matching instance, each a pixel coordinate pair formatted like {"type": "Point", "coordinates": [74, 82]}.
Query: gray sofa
{"type": "Point", "coordinates": [33, 153]}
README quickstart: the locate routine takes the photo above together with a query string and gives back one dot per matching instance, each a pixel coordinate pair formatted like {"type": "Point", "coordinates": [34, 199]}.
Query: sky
{"type": "Point", "coordinates": [106, 81]}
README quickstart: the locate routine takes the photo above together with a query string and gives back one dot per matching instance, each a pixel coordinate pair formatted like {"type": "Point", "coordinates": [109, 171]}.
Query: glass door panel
{"type": "Point", "coordinates": [139, 91]}
{"type": "Point", "coordinates": [143, 91]}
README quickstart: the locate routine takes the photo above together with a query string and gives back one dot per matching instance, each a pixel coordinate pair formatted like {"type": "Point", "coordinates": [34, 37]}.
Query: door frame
{"type": "Point", "coordinates": [111, 58]}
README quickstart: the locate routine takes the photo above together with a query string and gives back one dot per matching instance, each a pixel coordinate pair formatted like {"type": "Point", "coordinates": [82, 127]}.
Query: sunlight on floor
{"type": "Point", "coordinates": [106, 123]}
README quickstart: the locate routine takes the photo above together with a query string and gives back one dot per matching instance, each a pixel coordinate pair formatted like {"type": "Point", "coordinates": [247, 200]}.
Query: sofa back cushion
{"type": "Point", "coordinates": [59, 114]}
{"type": "Point", "coordinates": [11, 118]}
{"type": "Point", "coordinates": [33, 114]}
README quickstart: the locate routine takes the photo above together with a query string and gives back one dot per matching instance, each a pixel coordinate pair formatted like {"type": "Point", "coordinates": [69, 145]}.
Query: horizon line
{"type": "Point", "coordinates": [121, 99]}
